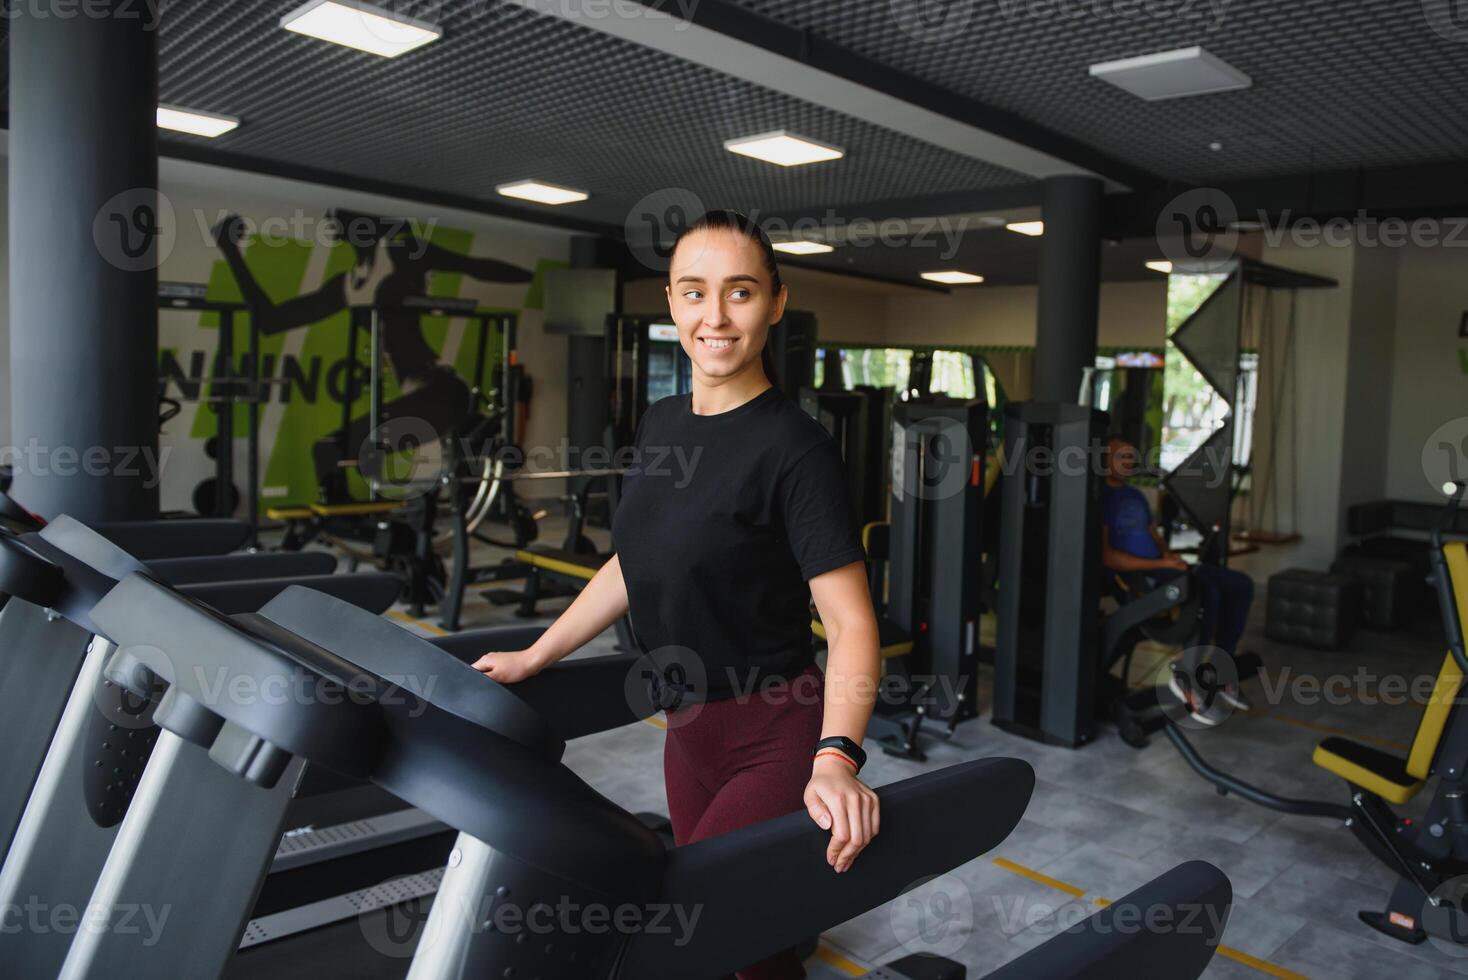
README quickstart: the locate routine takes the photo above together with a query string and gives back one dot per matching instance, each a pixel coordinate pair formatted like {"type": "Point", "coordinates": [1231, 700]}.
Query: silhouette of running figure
{"type": "Point", "coordinates": [392, 267]}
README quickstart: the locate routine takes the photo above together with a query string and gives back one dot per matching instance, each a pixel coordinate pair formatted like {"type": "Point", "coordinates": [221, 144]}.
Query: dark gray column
{"type": "Point", "coordinates": [588, 406]}
{"type": "Point", "coordinates": [84, 252]}
{"type": "Point", "coordinates": [1070, 286]}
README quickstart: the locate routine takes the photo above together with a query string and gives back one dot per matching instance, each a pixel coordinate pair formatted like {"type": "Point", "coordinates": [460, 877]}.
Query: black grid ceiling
{"type": "Point", "coordinates": [1337, 84]}
{"type": "Point", "coordinates": [508, 94]}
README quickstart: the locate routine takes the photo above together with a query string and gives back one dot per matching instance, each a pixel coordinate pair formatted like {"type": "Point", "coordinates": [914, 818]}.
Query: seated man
{"type": "Point", "coordinates": [1130, 542]}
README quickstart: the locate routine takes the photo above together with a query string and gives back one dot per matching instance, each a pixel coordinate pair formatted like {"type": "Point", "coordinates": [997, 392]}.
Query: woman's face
{"type": "Point", "coordinates": [720, 296]}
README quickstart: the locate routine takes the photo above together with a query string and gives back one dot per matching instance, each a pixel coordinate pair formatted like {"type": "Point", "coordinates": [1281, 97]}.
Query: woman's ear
{"type": "Point", "coordinates": [780, 298]}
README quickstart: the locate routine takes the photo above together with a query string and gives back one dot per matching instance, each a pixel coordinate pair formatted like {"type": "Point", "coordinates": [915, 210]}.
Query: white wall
{"type": "Point", "coordinates": [1322, 325]}
{"type": "Point", "coordinates": [1132, 314]}
{"type": "Point", "coordinates": [1429, 362]}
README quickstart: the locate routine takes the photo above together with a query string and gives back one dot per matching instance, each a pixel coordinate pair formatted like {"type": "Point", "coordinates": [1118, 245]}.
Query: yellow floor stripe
{"type": "Point", "coordinates": [657, 722]}
{"type": "Point", "coordinates": [1033, 875]}
{"type": "Point", "coordinates": [840, 962]}
{"type": "Point", "coordinates": [1238, 956]}
{"type": "Point", "coordinates": [403, 617]}
{"type": "Point", "coordinates": [1385, 743]}
{"type": "Point", "coordinates": [1263, 966]}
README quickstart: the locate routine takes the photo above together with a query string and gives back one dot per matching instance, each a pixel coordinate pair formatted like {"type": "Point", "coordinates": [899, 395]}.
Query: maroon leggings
{"type": "Point", "coordinates": [728, 764]}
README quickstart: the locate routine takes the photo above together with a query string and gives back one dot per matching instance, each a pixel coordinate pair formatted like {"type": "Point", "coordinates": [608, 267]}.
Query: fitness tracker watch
{"type": "Point", "coordinates": [846, 747]}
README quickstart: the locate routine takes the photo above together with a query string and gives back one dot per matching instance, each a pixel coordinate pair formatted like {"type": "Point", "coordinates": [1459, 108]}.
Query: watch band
{"type": "Point", "coordinates": [846, 747]}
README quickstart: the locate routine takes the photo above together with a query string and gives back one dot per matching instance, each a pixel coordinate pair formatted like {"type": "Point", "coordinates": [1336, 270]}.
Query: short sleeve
{"type": "Point", "coordinates": [816, 507]}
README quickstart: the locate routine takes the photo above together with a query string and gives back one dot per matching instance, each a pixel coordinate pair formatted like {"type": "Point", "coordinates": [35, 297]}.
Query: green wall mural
{"type": "Point", "coordinates": [427, 361]}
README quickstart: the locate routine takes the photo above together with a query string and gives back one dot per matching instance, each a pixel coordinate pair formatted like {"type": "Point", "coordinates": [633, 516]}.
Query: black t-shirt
{"type": "Point", "coordinates": [721, 521]}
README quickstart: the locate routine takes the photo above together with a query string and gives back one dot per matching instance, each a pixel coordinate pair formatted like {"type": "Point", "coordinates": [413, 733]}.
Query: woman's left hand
{"type": "Point", "coordinates": [839, 802]}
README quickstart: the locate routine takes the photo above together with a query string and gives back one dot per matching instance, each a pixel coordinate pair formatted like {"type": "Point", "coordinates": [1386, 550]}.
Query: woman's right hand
{"type": "Point", "coordinates": [509, 667]}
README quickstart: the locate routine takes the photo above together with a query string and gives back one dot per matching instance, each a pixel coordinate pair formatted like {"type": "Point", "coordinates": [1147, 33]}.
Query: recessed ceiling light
{"type": "Point", "coordinates": [1032, 228]}
{"type": "Point", "coordinates": [364, 26]}
{"type": "Point", "coordinates": [191, 121]}
{"type": "Point", "coordinates": [1163, 266]}
{"type": "Point", "coordinates": [786, 149]}
{"type": "Point", "coordinates": [1171, 74]}
{"type": "Point", "coordinates": [540, 192]}
{"type": "Point", "coordinates": [1216, 145]}
{"type": "Point", "coordinates": [952, 277]}
{"type": "Point", "coordinates": [803, 248]}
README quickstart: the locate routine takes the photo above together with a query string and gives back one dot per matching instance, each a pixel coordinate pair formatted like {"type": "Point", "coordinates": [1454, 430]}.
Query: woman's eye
{"type": "Point", "coordinates": [739, 294]}
{"type": "Point", "coordinates": [693, 294]}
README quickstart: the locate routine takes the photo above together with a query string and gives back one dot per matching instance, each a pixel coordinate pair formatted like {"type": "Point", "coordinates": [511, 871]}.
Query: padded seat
{"type": "Point", "coordinates": [1371, 769]}
{"type": "Point", "coordinates": [1388, 776]}
{"type": "Point", "coordinates": [573, 564]}
{"type": "Point", "coordinates": [356, 508]}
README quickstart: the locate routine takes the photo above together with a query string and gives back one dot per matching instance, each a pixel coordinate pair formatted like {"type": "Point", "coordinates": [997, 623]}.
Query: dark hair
{"type": "Point", "coordinates": [727, 219]}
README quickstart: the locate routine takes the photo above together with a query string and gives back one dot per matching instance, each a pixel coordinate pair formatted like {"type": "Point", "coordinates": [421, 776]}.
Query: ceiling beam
{"type": "Point", "coordinates": [738, 42]}
{"type": "Point", "coordinates": [1419, 191]}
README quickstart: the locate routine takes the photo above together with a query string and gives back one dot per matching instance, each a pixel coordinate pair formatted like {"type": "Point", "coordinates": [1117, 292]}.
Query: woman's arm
{"type": "Point", "coordinates": [835, 798]}
{"type": "Point", "coordinates": [600, 604]}
{"type": "Point", "coordinates": [479, 267]}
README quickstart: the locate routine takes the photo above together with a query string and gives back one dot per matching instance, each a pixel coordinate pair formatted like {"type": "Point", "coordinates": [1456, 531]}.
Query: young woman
{"type": "Point", "coordinates": [733, 517]}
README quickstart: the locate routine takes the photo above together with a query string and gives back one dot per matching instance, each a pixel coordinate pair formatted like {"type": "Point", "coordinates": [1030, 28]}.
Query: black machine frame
{"type": "Point", "coordinates": [224, 393]}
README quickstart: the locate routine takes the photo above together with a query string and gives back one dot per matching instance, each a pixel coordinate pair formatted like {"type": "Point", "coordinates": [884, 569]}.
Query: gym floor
{"type": "Point", "coordinates": [1107, 818]}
